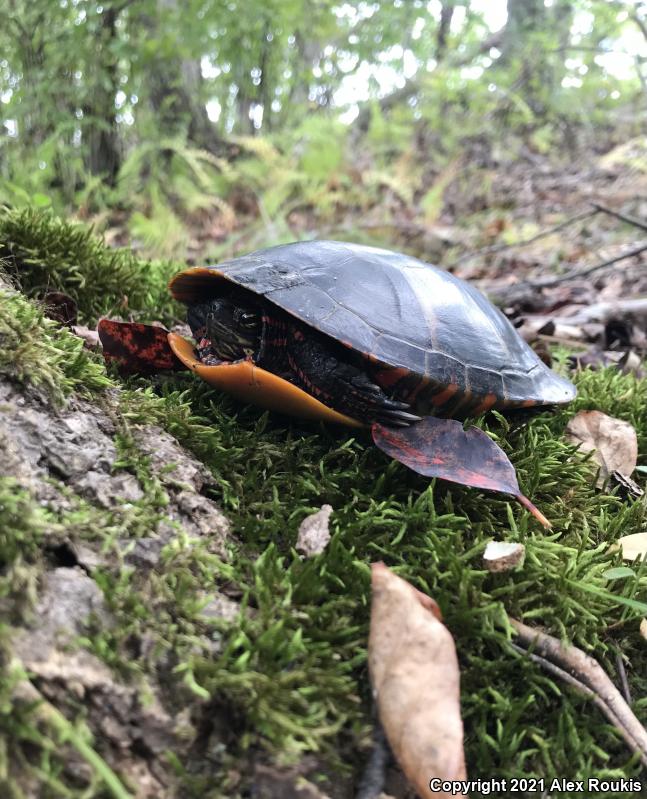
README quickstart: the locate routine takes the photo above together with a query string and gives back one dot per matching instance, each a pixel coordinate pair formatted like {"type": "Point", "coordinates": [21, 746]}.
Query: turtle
{"type": "Point", "coordinates": [359, 336]}
{"type": "Point", "coordinates": [356, 335]}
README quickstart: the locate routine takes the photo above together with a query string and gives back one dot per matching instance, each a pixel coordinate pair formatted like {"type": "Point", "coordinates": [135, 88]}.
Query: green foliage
{"type": "Point", "coordinates": [167, 182]}
{"type": "Point", "coordinates": [43, 253]}
{"type": "Point", "coordinates": [106, 105]}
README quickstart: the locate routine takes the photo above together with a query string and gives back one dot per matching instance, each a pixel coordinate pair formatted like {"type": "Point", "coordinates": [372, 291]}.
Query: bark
{"type": "Point", "coordinates": [444, 26]}
{"type": "Point", "coordinates": [175, 91]}
{"type": "Point", "coordinates": [103, 156]}
{"type": "Point", "coordinates": [540, 70]}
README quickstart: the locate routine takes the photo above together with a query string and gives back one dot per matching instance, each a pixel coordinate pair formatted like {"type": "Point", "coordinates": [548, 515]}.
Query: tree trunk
{"type": "Point", "coordinates": [532, 35]}
{"type": "Point", "coordinates": [444, 26]}
{"type": "Point", "coordinates": [103, 155]}
{"type": "Point", "coordinates": [175, 92]}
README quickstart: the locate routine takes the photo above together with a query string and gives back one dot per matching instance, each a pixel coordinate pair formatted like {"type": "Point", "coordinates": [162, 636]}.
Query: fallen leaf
{"type": "Point", "coordinates": [633, 546]}
{"type": "Point", "coordinates": [314, 532]}
{"type": "Point", "coordinates": [627, 488]}
{"type": "Point", "coordinates": [415, 677]}
{"type": "Point", "coordinates": [90, 337]}
{"type": "Point", "coordinates": [631, 362]}
{"type": "Point", "coordinates": [442, 448]}
{"type": "Point", "coordinates": [137, 348]}
{"type": "Point", "coordinates": [501, 556]}
{"type": "Point", "coordinates": [613, 441]}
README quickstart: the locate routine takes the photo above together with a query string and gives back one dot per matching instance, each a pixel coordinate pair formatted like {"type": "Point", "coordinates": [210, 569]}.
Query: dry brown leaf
{"type": "Point", "coordinates": [633, 546]}
{"type": "Point", "coordinates": [415, 677]}
{"type": "Point", "coordinates": [614, 441]}
{"type": "Point", "coordinates": [90, 337]}
{"type": "Point", "coordinates": [314, 533]}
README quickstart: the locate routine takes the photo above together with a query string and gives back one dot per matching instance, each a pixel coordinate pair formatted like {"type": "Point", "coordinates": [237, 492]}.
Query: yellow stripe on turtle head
{"type": "Point", "coordinates": [254, 385]}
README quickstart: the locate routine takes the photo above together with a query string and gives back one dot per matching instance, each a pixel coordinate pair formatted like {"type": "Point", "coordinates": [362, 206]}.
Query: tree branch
{"type": "Point", "coordinates": [414, 85]}
{"type": "Point", "coordinates": [630, 220]}
{"type": "Point", "coordinates": [492, 248]}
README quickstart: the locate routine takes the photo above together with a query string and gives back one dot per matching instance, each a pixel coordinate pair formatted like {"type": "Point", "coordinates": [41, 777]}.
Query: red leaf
{"type": "Point", "coordinates": [137, 348]}
{"type": "Point", "coordinates": [442, 448]}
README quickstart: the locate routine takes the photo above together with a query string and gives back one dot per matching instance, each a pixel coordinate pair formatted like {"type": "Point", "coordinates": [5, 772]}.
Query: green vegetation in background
{"type": "Point", "coordinates": [144, 112]}
{"type": "Point", "coordinates": [290, 674]}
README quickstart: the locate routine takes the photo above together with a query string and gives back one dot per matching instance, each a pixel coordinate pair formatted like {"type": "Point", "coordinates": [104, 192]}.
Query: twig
{"type": "Point", "coordinates": [630, 220]}
{"type": "Point", "coordinates": [579, 669]}
{"type": "Point", "coordinates": [624, 682]}
{"type": "Point", "coordinates": [563, 675]}
{"type": "Point", "coordinates": [547, 665]}
{"type": "Point", "coordinates": [524, 288]}
{"type": "Point", "coordinates": [374, 775]}
{"type": "Point", "coordinates": [587, 270]}
{"type": "Point", "coordinates": [600, 312]}
{"type": "Point", "coordinates": [492, 248]}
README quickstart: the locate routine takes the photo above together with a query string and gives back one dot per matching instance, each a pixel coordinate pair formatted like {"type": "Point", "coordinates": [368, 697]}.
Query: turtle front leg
{"type": "Point", "coordinates": [323, 369]}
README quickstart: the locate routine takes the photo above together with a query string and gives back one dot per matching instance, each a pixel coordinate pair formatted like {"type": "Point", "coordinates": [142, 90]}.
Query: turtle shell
{"type": "Point", "coordinates": [396, 310]}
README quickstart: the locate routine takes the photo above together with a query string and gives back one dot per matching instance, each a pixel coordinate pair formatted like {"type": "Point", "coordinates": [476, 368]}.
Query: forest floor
{"type": "Point", "coordinates": [164, 638]}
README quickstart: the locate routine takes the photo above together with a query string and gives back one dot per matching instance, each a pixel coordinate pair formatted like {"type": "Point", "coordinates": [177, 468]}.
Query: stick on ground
{"type": "Point", "coordinates": [583, 672]}
{"type": "Point", "coordinates": [630, 220]}
{"type": "Point", "coordinates": [492, 248]}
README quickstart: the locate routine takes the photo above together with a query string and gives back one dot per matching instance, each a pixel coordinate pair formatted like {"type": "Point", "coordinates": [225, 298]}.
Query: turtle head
{"type": "Point", "coordinates": [232, 328]}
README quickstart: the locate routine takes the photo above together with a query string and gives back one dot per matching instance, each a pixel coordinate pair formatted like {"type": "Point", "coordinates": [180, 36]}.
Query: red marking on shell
{"type": "Point", "coordinates": [445, 395]}
{"type": "Point", "coordinates": [387, 378]}
{"type": "Point", "coordinates": [485, 405]}
{"type": "Point", "coordinates": [422, 383]}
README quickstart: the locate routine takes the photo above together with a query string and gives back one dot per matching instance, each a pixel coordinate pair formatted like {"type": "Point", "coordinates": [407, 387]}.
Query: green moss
{"type": "Point", "coordinates": [22, 526]}
{"type": "Point", "coordinates": [290, 673]}
{"type": "Point", "coordinates": [37, 353]}
{"type": "Point", "coordinates": [294, 671]}
{"type": "Point", "coordinates": [44, 253]}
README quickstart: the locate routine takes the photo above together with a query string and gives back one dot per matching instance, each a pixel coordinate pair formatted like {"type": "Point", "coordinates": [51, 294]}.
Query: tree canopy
{"type": "Point", "coordinates": [143, 104]}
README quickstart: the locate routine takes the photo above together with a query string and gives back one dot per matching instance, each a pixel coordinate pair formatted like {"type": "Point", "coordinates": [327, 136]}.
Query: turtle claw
{"type": "Point", "coordinates": [398, 417]}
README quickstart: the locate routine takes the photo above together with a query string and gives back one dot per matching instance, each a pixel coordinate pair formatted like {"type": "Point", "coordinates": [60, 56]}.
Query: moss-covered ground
{"type": "Point", "coordinates": [291, 673]}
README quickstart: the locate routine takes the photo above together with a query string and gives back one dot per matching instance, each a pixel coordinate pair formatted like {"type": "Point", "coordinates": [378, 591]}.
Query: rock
{"type": "Point", "coordinates": [221, 607]}
{"type": "Point", "coordinates": [500, 556]}
{"type": "Point", "coordinates": [172, 464]}
{"type": "Point", "coordinates": [68, 597]}
{"type": "Point", "coordinates": [110, 490]}
{"type": "Point", "coordinates": [201, 517]}
{"type": "Point", "coordinates": [314, 532]}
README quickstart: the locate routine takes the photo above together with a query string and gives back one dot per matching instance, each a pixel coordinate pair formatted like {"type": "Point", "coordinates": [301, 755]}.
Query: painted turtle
{"type": "Point", "coordinates": [357, 335]}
